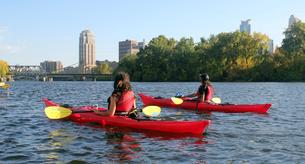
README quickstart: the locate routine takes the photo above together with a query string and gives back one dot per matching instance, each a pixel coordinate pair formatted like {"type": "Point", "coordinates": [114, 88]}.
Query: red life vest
{"type": "Point", "coordinates": [126, 102]}
{"type": "Point", "coordinates": [209, 93]}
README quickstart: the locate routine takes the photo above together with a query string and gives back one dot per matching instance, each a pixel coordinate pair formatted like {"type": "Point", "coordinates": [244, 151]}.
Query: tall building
{"type": "Point", "coordinates": [141, 45]}
{"type": "Point", "coordinates": [86, 51]}
{"type": "Point", "coordinates": [129, 47]}
{"type": "Point", "coordinates": [245, 26]}
{"type": "Point", "coordinates": [292, 20]}
{"type": "Point", "coordinates": [52, 66]}
{"type": "Point", "coordinates": [270, 46]}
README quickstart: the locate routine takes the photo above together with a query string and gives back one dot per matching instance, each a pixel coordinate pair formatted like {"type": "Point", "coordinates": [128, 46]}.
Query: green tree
{"type": "Point", "coordinates": [182, 64]}
{"type": "Point", "coordinates": [103, 68]}
{"type": "Point", "coordinates": [127, 64]}
{"type": "Point", "coordinates": [233, 56]}
{"type": "Point", "coordinates": [230, 56]}
{"type": "Point", "coordinates": [153, 61]}
{"type": "Point", "coordinates": [293, 48]}
{"type": "Point", "coordinates": [4, 68]}
{"type": "Point", "coordinates": [294, 42]}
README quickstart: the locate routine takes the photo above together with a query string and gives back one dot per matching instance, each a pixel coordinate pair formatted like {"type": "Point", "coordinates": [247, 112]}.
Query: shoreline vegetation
{"type": "Point", "coordinates": [226, 57]}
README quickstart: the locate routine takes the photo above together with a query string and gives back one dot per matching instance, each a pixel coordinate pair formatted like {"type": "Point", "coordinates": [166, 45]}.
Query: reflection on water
{"type": "Point", "coordinates": [55, 144]}
{"type": "Point", "coordinates": [124, 146]}
{"type": "Point", "coordinates": [27, 136]}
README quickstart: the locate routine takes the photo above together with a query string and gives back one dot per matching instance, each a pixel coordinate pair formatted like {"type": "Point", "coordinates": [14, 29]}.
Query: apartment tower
{"type": "Point", "coordinates": [130, 47]}
{"type": "Point", "coordinates": [86, 52]}
{"type": "Point", "coordinates": [245, 26]}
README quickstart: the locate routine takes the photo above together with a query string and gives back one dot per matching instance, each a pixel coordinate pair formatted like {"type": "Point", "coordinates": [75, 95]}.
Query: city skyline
{"type": "Point", "coordinates": [35, 31]}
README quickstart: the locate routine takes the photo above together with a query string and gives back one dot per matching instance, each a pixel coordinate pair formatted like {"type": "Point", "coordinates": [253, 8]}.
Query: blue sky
{"type": "Point", "coordinates": [32, 31]}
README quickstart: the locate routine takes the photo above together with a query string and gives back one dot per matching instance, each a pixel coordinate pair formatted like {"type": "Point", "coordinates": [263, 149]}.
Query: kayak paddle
{"type": "Point", "coordinates": [5, 86]}
{"type": "Point", "coordinates": [151, 111]}
{"type": "Point", "coordinates": [216, 100]}
{"type": "Point", "coordinates": [179, 101]}
{"type": "Point", "coordinates": [58, 112]}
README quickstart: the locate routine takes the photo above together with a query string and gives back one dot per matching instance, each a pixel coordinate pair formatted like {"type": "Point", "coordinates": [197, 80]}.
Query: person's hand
{"type": "Point", "coordinates": [179, 95]}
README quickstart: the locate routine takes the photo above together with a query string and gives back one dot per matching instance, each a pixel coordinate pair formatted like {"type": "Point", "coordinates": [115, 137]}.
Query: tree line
{"type": "Point", "coordinates": [232, 56]}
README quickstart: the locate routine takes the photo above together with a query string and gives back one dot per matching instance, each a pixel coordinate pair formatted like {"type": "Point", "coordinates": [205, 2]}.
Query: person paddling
{"type": "Point", "coordinates": [205, 91]}
{"type": "Point", "coordinates": [122, 100]}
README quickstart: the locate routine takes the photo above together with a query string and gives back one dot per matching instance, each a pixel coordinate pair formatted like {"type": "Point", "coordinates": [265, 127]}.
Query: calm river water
{"type": "Point", "coordinates": [27, 136]}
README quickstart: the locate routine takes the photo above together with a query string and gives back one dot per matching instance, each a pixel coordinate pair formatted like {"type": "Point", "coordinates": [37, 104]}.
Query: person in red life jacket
{"type": "Point", "coordinates": [205, 91]}
{"type": "Point", "coordinates": [122, 100]}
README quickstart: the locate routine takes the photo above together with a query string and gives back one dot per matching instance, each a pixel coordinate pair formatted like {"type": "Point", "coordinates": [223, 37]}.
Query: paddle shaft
{"type": "Point", "coordinates": [87, 111]}
{"type": "Point", "coordinates": [197, 105]}
{"type": "Point", "coordinates": [82, 111]}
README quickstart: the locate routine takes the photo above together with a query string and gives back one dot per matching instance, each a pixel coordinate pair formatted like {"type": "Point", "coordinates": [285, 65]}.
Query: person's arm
{"type": "Point", "coordinates": [201, 98]}
{"type": "Point", "coordinates": [135, 104]}
{"type": "Point", "coordinates": [111, 110]}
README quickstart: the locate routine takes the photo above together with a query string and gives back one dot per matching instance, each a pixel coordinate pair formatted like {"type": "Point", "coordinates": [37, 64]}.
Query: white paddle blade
{"type": "Point", "coordinates": [216, 100]}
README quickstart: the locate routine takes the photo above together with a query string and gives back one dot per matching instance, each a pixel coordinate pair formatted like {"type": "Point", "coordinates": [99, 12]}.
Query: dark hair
{"type": "Point", "coordinates": [204, 77]}
{"type": "Point", "coordinates": [121, 82]}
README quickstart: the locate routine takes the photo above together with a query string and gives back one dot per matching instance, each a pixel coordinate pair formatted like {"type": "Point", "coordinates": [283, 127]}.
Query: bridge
{"type": "Point", "coordinates": [26, 72]}
{"type": "Point", "coordinates": [35, 72]}
{"type": "Point", "coordinates": [77, 77]}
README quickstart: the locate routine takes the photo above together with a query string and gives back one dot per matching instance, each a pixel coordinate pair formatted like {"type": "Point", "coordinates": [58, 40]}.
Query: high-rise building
{"type": "Point", "coordinates": [129, 47]}
{"type": "Point", "coordinates": [86, 51]}
{"type": "Point", "coordinates": [51, 66]}
{"type": "Point", "coordinates": [245, 26]}
{"type": "Point", "coordinates": [292, 20]}
{"type": "Point", "coordinates": [141, 45]}
{"type": "Point", "coordinates": [270, 46]}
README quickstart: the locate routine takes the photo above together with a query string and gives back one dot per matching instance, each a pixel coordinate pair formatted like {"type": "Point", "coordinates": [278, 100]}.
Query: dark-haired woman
{"type": "Point", "coordinates": [205, 91]}
{"type": "Point", "coordinates": [122, 100]}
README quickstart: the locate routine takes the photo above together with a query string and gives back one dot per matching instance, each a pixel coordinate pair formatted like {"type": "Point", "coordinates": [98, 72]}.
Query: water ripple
{"type": "Point", "coordinates": [27, 136]}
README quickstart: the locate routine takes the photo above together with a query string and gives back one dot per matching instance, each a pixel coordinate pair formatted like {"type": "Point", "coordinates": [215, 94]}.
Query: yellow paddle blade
{"type": "Point", "coordinates": [2, 84]}
{"type": "Point", "coordinates": [216, 100]}
{"type": "Point", "coordinates": [57, 112]}
{"type": "Point", "coordinates": [6, 86]}
{"type": "Point", "coordinates": [151, 111]}
{"type": "Point", "coordinates": [176, 100]}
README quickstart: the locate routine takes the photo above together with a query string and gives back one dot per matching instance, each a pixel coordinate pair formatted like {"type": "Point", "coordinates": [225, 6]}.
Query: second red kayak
{"type": "Point", "coordinates": [186, 127]}
{"type": "Point", "coordinates": [206, 107]}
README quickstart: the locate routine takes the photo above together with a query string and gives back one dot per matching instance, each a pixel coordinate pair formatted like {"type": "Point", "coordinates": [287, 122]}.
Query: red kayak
{"type": "Point", "coordinates": [181, 127]}
{"type": "Point", "coordinates": [206, 107]}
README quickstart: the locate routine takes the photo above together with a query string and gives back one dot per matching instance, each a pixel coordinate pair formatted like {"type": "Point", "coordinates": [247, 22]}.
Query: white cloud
{"type": "Point", "coordinates": [5, 46]}
{"type": "Point", "coordinates": [6, 49]}
{"type": "Point", "coordinates": [3, 29]}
